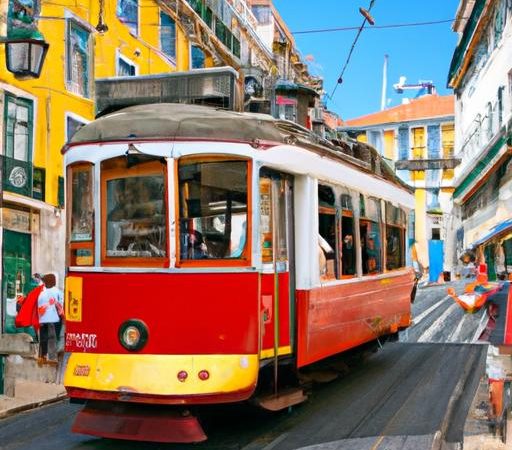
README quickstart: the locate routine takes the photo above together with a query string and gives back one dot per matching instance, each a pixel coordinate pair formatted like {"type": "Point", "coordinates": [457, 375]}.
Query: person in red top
{"type": "Point", "coordinates": [27, 313]}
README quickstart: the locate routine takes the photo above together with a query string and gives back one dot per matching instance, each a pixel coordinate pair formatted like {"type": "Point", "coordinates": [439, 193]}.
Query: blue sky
{"type": "Point", "coordinates": [418, 53]}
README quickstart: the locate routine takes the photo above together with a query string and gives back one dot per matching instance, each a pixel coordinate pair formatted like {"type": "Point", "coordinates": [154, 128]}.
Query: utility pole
{"type": "Point", "coordinates": [384, 83]}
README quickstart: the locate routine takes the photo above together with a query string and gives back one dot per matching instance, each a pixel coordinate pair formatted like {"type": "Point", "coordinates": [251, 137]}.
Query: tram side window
{"type": "Point", "coordinates": [213, 201]}
{"type": "Point", "coordinates": [370, 234]}
{"type": "Point", "coordinates": [395, 237]}
{"type": "Point", "coordinates": [326, 232]}
{"type": "Point", "coordinates": [266, 221]}
{"type": "Point", "coordinates": [348, 254]}
{"type": "Point", "coordinates": [81, 220]}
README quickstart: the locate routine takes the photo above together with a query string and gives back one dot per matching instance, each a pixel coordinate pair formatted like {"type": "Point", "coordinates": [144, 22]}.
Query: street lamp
{"type": "Point", "coordinates": [25, 57]}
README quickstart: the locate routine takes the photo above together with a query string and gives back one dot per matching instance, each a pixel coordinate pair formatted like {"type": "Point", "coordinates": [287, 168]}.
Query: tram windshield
{"type": "Point", "coordinates": [135, 212]}
{"type": "Point", "coordinates": [213, 209]}
{"type": "Point", "coordinates": [135, 217]}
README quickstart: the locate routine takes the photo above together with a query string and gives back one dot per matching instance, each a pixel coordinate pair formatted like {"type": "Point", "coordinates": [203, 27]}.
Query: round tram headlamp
{"type": "Point", "coordinates": [133, 334]}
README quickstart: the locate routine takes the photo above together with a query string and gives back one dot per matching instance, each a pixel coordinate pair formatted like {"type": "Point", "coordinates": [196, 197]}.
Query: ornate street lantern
{"type": "Point", "coordinates": [25, 57]}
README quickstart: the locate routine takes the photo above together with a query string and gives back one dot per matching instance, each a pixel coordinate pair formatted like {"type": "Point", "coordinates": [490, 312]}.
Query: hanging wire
{"type": "Point", "coordinates": [394, 25]}
{"type": "Point", "coordinates": [340, 78]}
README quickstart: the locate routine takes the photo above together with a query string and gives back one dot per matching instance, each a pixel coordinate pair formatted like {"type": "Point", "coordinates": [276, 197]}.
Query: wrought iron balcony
{"type": "Point", "coordinates": [16, 175]}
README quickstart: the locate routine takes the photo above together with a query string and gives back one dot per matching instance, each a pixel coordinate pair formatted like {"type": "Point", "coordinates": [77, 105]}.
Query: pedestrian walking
{"type": "Point", "coordinates": [50, 308]}
{"type": "Point", "coordinates": [27, 315]}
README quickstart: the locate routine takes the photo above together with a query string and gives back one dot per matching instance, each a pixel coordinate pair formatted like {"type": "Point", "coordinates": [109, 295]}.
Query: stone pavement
{"type": "Point", "coordinates": [32, 393]}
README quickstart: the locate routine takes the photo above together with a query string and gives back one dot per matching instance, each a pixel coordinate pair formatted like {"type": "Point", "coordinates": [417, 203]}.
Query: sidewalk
{"type": "Point", "coordinates": [30, 394]}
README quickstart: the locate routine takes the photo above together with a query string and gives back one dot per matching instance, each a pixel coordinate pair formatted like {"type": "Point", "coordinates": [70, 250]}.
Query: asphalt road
{"type": "Point", "coordinates": [437, 318]}
{"type": "Point", "coordinates": [405, 396]}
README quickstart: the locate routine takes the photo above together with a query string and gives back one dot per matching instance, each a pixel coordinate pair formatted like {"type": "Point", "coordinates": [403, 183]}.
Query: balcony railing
{"type": "Point", "coordinates": [427, 164]}
{"type": "Point", "coordinates": [216, 24]}
{"type": "Point", "coordinates": [16, 175]}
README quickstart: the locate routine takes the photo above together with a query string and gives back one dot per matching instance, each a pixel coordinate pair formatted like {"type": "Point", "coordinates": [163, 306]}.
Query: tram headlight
{"type": "Point", "coordinates": [133, 334]}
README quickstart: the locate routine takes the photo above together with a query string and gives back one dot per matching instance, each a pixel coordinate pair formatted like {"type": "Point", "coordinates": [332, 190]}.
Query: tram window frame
{"type": "Point", "coordinates": [370, 222]}
{"type": "Point", "coordinates": [244, 259]}
{"type": "Point", "coordinates": [80, 250]}
{"type": "Point", "coordinates": [347, 243]}
{"type": "Point", "coordinates": [328, 231]}
{"type": "Point", "coordinates": [396, 225]}
{"type": "Point", "coordinates": [272, 184]}
{"type": "Point", "coordinates": [117, 168]}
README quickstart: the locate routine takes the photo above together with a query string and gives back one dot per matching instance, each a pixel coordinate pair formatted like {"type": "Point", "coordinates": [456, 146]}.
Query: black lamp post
{"type": "Point", "coordinates": [25, 57]}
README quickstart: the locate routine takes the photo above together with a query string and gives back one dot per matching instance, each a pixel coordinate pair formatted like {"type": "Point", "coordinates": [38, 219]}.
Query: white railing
{"type": "Point", "coordinates": [480, 133]}
{"type": "Point", "coordinates": [317, 113]}
{"type": "Point", "coordinates": [245, 13]}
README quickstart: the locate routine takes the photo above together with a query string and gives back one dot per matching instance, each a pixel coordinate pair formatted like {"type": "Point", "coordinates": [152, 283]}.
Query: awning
{"type": "Point", "coordinates": [498, 229]}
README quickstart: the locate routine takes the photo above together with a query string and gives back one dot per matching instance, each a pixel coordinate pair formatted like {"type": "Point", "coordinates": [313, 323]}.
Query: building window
{"type": "Point", "coordinates": [433, 141]}
{"type": "Point", "coordinates": [168, 35]}
{"type": "Point", "coordinates": [72, 126]}
{"type": "Point", "coordinates": [125, 68]}
{"type": "Point", "coordinates": [447, 139]}
{"type": "Point", "coordinates": [500, 105]}
{"type": "Point", "coordinates": [499, 23]}
{"type": "Point", "coordinates": [18, 128]}
{"type": "Point", "coordinates": [403, 143]}
{"type": "Point", "coordinates": [263, 14]}
{"type": "Point", "coordinates": [489, 120]}
{"type": "Point", "coordinates": [286, 108]}
{"type": "Point", "coordinates": [418, 146]}
{"type": "Point", "coordinates": [375, 139]}
{"type": "Point", "coordinates": [436, 234]}
{"type": "Point", "coordinates": [38, 183]}
{"type": "Point", "coordinates": [78, 64]}
{"type": "Point", "coordinates": [197, 57]}
{"type": "Point", "coordinates": [128, 12]}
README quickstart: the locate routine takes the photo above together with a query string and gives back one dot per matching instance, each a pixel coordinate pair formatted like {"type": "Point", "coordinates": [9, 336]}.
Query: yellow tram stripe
{"type": "Point", "coordinates": [268, 353]}
{"type": "Point", "coordinates": [158, 374]}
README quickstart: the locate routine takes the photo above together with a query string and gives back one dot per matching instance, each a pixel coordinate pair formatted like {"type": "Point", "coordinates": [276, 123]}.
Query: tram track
{"type": "Point", "coordinates": [406, 400]}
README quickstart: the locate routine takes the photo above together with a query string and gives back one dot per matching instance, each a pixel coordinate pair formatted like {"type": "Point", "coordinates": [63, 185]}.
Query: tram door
{"type": "Point", "coordinates": [278, 278]}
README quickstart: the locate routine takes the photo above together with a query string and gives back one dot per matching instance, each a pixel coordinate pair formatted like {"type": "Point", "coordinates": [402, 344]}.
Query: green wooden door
{"type": "Point", "coordinates": [16, 275]}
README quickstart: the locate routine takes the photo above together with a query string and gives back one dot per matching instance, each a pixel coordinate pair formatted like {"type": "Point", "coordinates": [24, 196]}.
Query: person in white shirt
{"type": "Point", "coordinates": [49, 306]}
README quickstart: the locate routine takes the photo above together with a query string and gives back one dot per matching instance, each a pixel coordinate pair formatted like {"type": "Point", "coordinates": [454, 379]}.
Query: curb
{"type": "Point", "coordinates": [33, 405]}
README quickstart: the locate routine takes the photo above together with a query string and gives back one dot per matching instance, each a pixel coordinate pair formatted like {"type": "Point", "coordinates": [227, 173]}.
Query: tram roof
{"type": "Point", "coordinates": [168, 121]}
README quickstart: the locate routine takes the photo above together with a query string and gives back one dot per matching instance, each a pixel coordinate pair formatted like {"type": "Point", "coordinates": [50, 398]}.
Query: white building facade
{"type": "Point", "coordinates": [481, 76]}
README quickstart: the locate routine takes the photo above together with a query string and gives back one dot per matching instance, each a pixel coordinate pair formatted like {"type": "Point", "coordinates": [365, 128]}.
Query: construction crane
{"type": "Point", "coordinates": [422, 85]}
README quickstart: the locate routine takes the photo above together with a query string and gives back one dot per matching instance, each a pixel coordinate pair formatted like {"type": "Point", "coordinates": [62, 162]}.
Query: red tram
{"type": "Point", "coordinates": [209, 253]}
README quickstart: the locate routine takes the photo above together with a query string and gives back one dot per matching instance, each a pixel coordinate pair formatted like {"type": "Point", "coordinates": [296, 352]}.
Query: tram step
{"type": "Point", "coordinates": [282, 400]}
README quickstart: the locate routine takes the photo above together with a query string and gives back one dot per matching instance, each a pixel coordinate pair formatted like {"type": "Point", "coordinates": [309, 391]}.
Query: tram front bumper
{"type": "Point", "coordinates": [171, 379]}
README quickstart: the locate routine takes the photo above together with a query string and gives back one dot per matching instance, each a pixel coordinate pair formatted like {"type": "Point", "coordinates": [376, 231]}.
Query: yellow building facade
{"type": "Point", "coordinates": [39, 115]}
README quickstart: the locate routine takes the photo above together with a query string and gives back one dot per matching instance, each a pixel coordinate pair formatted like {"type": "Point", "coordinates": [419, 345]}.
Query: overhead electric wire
{"type": "Point", "coordinates": [340, 78]}
{"type": "Point", "coordinates": [396, 25]}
